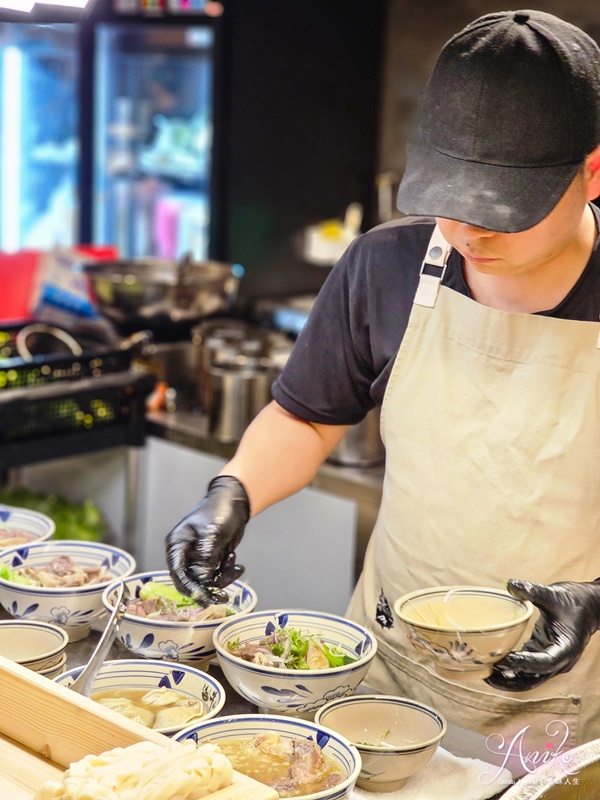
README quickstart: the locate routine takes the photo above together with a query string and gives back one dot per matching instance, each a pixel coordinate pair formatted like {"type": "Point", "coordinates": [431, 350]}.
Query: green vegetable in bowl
{"type": "Point", "coordinates": [13, 575]}
{"type": "Point", "coordinates": [167, 592]}
{"type": "Point", "coordinates": [291, 648]}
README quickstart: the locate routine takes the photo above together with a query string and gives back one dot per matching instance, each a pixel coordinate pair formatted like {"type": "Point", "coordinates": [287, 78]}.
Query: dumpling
{"type": "Point", "coordinates": [161, 697]}
{"type": "Point", "coordinates": [185, 711]}
{"type": "Point", "coordinates": [125, 707]}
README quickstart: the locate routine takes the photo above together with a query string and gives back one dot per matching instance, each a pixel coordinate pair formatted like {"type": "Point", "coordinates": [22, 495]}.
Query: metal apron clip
{"type": "Point", "coordinates": [435, 262]}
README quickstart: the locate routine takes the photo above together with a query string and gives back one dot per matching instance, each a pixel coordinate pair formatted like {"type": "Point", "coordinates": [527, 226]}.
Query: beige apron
{"type": "Point", "coordinates": [490, 422]}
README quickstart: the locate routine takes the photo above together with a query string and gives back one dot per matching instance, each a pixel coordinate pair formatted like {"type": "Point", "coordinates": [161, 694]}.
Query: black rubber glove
{"type": "Point", "coordinates": [569, 615]}
{"type": "Point", "coordinates": [201, 548]}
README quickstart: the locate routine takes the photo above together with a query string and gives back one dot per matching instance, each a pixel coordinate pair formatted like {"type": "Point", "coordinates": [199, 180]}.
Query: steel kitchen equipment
{"type": "Point", "coordinates": [237, 365]}
{"type": "Point", "coordinates": [165, 296]}
{"type": "Point", "coordinates": [362, 445]}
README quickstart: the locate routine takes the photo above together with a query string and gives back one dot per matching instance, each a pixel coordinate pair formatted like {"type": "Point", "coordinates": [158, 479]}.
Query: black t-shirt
{"type": "Point", "coordinates": [341, 362]}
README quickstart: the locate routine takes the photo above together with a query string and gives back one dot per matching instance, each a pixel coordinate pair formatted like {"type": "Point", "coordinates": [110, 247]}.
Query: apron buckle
{"type": "Point", "coordinates": [432, 270]}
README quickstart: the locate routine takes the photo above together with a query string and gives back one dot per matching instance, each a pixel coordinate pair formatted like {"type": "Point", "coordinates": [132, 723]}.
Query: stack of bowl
{"type": "Point", "coordinates": [39, 646]}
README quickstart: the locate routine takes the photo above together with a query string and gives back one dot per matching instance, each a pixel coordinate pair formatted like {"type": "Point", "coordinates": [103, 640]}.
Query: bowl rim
{"type": "Point", "coordinates": [525, 605]}
{"type": "Point", "coordinates": [169, 623]}
{"type": "Point", "coordinates": [38, 623]}
{"type": "Point", "coordinates": [282, 672]}
{"type": "Point", "coordinates": [42, 537]}
{"type": "Point", "coordinates": [56, 591]}
{"type": "Point", "coordinates": [350, 779]}
{"type": "Point", "coordinates": [163, 665]}
{"type": "Point", "coordinates": [49, 670]}
{"type": "Point", "coordinates": [357, 699]}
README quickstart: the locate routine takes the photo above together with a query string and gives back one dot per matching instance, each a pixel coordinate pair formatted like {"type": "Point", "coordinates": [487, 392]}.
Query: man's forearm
{"type": "Point", "coordinates": [280, 454]}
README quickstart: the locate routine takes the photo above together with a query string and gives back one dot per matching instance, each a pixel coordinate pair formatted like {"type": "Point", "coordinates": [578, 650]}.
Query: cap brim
{"type": "Point", "coordinates": [497, 198]}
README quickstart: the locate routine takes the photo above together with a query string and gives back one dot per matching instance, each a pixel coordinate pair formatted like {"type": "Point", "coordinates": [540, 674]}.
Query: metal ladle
{"type": "Point", "coordinates": [83, 684]}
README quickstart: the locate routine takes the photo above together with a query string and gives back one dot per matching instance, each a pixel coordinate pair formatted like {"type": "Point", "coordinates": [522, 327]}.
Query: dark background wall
{"type": "Point", "coordinates": [303, 85]}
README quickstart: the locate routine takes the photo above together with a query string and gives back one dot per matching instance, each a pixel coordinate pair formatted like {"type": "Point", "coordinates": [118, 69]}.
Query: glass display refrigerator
{"type": "Point", "coordinates": [107, 130]}
{"type": "Point", "coordinates": [152, 138]}
{"type": "Point", "coordinates": [39, 135]}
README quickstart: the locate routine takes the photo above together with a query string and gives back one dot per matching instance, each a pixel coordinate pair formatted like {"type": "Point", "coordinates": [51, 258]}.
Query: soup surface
{"type": "Point", "coordinates": [154, 708]}
{"type": "Point", "coordinates": [294, 767]}
{"type": "Point", "coordinates": [462, 611]}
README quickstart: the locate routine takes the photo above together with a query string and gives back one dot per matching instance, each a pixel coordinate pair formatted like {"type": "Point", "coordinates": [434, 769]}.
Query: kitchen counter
{"type": "Point", "coordinates": [462, 743]}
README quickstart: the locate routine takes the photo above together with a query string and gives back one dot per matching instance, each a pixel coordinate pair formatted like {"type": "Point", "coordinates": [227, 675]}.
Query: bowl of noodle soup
{"type": "Point", "coordinates": [296, 757]}
{"type": "Point", "coordinates": [61, 582]}
{"type": "Point", "coordinates": [164, 696]}
{"type": "Point", "coordinates": [149, 632]}
{"type": "Point", "coordinates": [293, 662]}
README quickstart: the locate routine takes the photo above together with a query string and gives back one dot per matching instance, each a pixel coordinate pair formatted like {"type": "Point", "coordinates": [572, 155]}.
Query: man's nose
{"type": "Point", "coordinates": [473, 232]}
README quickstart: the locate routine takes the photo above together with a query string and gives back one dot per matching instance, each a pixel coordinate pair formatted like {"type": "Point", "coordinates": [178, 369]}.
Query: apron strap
{"type": "Point", "coordinates": [432, 269]}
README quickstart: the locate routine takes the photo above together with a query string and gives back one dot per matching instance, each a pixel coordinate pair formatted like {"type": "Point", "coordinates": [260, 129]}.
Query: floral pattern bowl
{"type": "Point", "coordinates": [247, 726]}
{"type": "Point", "coordinates": [34, 524]}
{"type": "Point", "coordinates": [74, 609]}
{"type": "Point", "coordinates": [395, 736]}
{"type": "Point", "coordinates": [188, 642]}
{"type": "Point", "coordinates": [294, 691]}
{"type": "Point", "coordinates": [146, 675]}
{"type": "Point", "coordinates": [463, 630]}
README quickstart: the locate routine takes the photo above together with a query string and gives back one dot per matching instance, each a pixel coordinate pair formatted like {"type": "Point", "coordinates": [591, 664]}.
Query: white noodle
{"type": "Point", "coordinates": [144, 771]}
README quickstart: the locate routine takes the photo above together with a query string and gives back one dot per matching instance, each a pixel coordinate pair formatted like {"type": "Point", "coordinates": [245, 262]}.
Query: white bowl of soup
{"type": "Point", "coordinates": [61, 582]}
{"type": "Point", "coordinates": [160, 695]}
{"type": "Point", "coordinates": [296, 757]}
{"type": "Point", "coordinates": [293, 662]}
{"type": "Point", "coordinates": [463, 630]}
{"type": "Point", "coordinates": [160, 623]}
{"type": "Point", "coordinates": [395, 736]}
{"type": "Point", "coordinates": [20, 526]}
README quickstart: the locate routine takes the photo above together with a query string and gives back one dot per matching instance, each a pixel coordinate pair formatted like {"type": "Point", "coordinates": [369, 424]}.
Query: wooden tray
{"type": "Point", "coordinates": [44, 727]}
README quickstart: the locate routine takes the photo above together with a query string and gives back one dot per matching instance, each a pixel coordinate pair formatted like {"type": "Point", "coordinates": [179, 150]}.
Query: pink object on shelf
{"type": "Point", "coordinates": [166, 220]}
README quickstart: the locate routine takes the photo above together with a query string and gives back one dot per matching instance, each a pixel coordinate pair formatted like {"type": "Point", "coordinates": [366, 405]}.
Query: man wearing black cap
{"type": "Point", "coordinates": [474, 322]}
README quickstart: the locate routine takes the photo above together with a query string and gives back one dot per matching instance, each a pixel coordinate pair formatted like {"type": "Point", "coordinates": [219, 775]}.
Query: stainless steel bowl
{"type": "Point", "coordinates": [151, 293]}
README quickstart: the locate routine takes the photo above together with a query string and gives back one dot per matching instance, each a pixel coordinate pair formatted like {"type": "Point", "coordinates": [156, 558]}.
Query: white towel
{"type": "Point", "coordinates": [447, 776]}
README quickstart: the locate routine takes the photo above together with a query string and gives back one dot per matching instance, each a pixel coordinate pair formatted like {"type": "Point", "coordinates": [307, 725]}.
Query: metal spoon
{"type": "Point", "coordinates": [83, 684]}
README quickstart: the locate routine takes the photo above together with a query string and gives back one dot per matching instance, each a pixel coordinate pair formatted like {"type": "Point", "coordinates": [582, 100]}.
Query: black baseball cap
{"type": "Point", "coordinates": [510, 111]}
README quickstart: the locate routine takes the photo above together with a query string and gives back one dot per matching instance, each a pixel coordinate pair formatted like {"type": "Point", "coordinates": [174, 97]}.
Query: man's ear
{"type": "Point", "coordinates": [592, 174]}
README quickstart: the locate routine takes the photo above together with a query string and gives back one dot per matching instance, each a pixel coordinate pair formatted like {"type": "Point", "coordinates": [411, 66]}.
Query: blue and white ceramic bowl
{"type": "Point", "coordinates": [247, 726]}
{"type": "Point", "coordinates": [147, 675]}
{"type": "Point", "coordinates": [463, 630]}
{"type": "Point", "coordinates": [189, 642]}
{"type": "Point", "coordinates": [15, 520]}
{"type": "Point", "coordinates": [73, 609]}
{"type": "Point", "coordinates": [292, 691]}
{"type": "Point", "coordinates": [395, 736]}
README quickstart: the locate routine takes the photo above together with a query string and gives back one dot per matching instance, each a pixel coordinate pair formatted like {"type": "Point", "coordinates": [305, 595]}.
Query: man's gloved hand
{"type": "Point", "coordinates": [201, 548]}
{"type": "Point", "coordinates": [569, 615]}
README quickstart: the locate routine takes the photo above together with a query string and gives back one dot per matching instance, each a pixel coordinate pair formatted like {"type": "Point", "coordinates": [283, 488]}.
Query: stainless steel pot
{"type": "Point", "coordinates": [237, 366]}
{"type": "Point", "coordinates": [362, 445]}
{"type": "Point", "coordinates": [156, 294]}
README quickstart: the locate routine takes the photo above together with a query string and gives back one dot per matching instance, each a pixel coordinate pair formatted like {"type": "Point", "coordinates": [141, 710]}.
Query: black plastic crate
{"type": "Point", "coordinates": [97, 359]}
{"type": "Point", "coordinates": [63, 419]}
